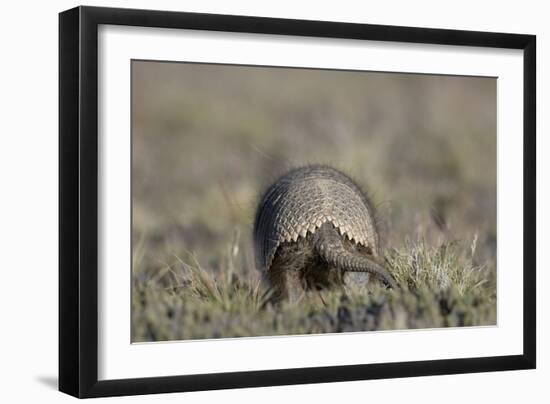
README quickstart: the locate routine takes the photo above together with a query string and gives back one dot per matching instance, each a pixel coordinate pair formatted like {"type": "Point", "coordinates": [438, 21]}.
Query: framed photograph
{"type": "Point", "coordinates": [250, 201]}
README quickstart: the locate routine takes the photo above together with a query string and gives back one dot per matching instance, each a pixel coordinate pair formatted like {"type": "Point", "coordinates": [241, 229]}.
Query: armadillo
{"type": "Point", "coordinates": [312, 225]}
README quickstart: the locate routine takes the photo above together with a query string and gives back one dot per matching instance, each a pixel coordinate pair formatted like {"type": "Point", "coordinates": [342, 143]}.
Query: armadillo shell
{"type": "Point", "coordinates": [301, 201]}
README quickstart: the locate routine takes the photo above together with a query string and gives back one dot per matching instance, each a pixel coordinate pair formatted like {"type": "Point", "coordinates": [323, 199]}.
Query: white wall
{"type": "Point", "coordinates": [28, 166]}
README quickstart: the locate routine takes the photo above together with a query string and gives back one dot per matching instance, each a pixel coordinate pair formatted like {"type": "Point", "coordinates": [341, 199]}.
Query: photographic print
{"type": "Point", "coordinates": [273, 201]}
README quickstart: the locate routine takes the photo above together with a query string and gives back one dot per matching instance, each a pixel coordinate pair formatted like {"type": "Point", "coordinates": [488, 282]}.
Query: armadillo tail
{"type": "Point", "coordinates": [330, 248]}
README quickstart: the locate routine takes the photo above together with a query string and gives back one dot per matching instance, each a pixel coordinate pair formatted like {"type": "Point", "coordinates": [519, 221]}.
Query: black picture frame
{"type": "Point", "coordinates": [78, 201]}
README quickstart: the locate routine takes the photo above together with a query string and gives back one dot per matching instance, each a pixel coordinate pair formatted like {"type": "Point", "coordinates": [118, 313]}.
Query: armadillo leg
{"type": "Point", "coordinates": [329, 246]}
{"type": "Point", "coordinates": [293, 290]}
{"type": "Point", "coordinates": [286, 284]}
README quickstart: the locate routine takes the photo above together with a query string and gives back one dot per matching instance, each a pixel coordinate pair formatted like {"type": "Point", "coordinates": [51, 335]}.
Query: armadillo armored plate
{"type": "Point", "coordinates": [301, 201]}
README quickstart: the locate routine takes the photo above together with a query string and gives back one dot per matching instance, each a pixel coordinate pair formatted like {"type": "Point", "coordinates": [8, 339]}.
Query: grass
{"type": "Point", "coordinates": [439, 286]}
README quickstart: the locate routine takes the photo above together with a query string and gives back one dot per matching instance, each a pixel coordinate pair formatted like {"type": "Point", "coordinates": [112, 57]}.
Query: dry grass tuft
{"type": "Point", "coordinates": [439, 287]}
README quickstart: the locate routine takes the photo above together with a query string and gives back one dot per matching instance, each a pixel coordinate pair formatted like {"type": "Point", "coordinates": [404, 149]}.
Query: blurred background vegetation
{"type": "Point", "coordinates": [207, 139]}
